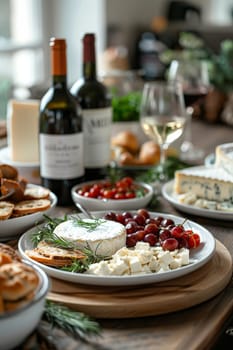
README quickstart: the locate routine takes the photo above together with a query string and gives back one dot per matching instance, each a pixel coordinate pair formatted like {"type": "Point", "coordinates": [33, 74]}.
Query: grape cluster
{"type": "Point", "coordinates": [158, 230]}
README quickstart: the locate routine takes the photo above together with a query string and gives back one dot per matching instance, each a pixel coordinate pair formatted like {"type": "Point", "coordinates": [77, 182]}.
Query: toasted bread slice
{"type": "Point", "coordinates": [31, 206]}
{"type": "Point", "coordinates": [48, 254]}
{"type": "Point", "coordinates": [9, 185]}
{"type": "Point", "coordinates": [6, 210]}
{"type": "Point", "coordinates": [9, 172]}
{"type": "Point", "coordinates": [49, 261]}
{"type": "Point", "coordinates": [36, 193]}
{"type": "Point", "coordinates": [49, 250]}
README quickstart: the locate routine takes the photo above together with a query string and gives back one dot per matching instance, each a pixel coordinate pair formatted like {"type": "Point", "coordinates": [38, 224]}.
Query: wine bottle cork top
{"type": "Point", "coordinates": [58, 43]}
{"type": "Point", "coordinates": [89, 38]}
{"type": "Point", "coordinates": [58, 56]}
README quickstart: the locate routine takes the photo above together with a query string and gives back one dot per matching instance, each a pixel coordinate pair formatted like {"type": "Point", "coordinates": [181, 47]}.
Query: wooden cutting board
{"type": "Point", "coordinates": [147, 300]}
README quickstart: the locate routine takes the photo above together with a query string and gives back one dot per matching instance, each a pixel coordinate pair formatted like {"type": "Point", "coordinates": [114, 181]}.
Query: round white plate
{"type": "Point", "coordinates": [12, 228]}
{"type": "Point", "coordinates": [168, 193]}
{"type": "Point", "coordinates": [5, 157]}
{"type": "Point", "coordinates": [198, 257]}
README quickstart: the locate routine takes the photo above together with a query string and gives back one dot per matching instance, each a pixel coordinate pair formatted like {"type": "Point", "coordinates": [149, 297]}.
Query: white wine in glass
{"type": "Point", "coordinates": [162, 115]}
{"type": "Point", "coordinates": [194, 78]}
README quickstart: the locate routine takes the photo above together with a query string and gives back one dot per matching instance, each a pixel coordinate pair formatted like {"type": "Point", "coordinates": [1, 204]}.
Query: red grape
{"type": "Point", "coordinates": [144, 213]}
{"type": "Point", "coordinates": [170, 244]}
{"type": "Point", "coordinates": [151, 228]}
{"type": "Point", "coordinates": [164, 234]}
{"type": "Point", "coordinates": [150, 238]}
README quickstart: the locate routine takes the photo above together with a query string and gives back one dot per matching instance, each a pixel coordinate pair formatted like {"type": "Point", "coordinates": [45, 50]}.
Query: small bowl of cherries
{"type": "Point", "coordinates": [123, 194]}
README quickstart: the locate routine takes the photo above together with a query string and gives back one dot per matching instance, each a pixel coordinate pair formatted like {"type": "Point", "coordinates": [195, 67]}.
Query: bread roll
{"type": "Point", "coordinates": [127, 140]}
{"type": "Point", "coordinates": [149, 153]}
{"type": "Point", "coordinates": [17, 281]}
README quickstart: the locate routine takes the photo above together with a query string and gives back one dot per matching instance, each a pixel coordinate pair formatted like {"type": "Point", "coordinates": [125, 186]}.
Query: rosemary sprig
{"type": "Point", "coordinates": [72, 322]}
{"type": "Point", "coordinates": [89, 225]}
{"type": "Point", "coordinates": [46, 231]}
{"type": "Point", "coordinates": [80, 266]}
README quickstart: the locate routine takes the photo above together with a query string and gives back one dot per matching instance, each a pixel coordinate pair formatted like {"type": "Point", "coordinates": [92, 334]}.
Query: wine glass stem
{"type": "Point", "coordinates": [163, 149]}
{"type": "Point", "coordinates": [188, 128]}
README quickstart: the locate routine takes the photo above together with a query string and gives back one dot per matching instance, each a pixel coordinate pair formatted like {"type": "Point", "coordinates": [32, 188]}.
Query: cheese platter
{"type": "Point", "coordinates": [198, 257]}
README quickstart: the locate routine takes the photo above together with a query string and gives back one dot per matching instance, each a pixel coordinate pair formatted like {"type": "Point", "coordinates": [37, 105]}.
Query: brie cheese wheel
{"type": "Point", "coordinates": [105, 239]}
{"type": "Point", "coordinates": [23, 130]}
{"type": "Point", "coordinates": [210, 183]}
{"type": "Point", "coordinates": [224, 157]}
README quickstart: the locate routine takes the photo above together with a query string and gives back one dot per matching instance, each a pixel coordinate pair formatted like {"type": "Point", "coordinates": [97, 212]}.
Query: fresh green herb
{"type": "Point", "coordinates": [126, 108]}
{"type": "Point", "coordinates": [89, 225]}
{"type": "Point", "coordinates": [140, 192]}
{"type": "Point", "coordinates": [80, 266]}
{"type": "Point", "coordinates": [72, 322]}
{"type": "Point", "coordinates": [46, 231]}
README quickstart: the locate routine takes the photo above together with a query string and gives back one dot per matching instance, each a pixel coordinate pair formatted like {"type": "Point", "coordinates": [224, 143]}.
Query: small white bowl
{"type": "Point", "coordinates": [95, 204]}
{"type": "Point", "coordinates": [11, 228]}
{"type": "Point", "coordinates": [15, 326]}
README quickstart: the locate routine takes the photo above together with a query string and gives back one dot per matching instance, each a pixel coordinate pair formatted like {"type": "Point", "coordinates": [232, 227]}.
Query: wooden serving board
{"type": "Point", "coordinates": [147, 300]}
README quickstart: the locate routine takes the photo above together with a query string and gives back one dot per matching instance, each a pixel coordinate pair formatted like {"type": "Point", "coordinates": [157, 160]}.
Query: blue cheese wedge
{"type": "Point", "coordinates": [209, 183]}
{"type": "Point", "coordinates": [104, 239]}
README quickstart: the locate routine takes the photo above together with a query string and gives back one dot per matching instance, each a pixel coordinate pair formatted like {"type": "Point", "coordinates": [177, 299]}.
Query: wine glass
{"type": "Point", "coordinates": [162, 115]}
{"type": "Point", "coordinates": [193, 76]}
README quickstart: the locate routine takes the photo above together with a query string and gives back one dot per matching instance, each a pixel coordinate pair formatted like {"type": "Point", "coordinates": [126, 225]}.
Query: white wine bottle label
{"type": "Point", "coordinates": [97, 134]}
{"type": "Point", "coordinates": [61, 156]}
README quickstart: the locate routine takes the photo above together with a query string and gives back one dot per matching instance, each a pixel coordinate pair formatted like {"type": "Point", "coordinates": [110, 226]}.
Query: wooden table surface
{"type": "Point", "coordinates": [193, 329]}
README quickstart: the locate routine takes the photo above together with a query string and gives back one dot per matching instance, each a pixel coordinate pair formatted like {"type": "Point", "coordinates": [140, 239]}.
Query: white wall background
{"type": "Point", "coordinates": [72, 18]}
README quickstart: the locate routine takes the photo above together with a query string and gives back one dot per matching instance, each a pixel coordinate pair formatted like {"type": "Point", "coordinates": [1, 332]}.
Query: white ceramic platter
{"type": "Point", "coordinates": [198, 257]}
{"type": "Point", "coordinates": [169, 194]}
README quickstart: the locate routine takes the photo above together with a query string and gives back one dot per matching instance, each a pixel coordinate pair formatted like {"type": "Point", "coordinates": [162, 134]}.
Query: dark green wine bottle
{"type": "Point", "coordinates": [61, 135]}
{"type": "Point", "coordinates": [95, 102]}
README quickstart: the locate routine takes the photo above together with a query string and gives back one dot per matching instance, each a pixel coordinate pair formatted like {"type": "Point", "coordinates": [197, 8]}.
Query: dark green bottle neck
{"type": "Point", "coordinates": [89, 71]}
{"type": "Point", "coordinates": [59, 81]}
